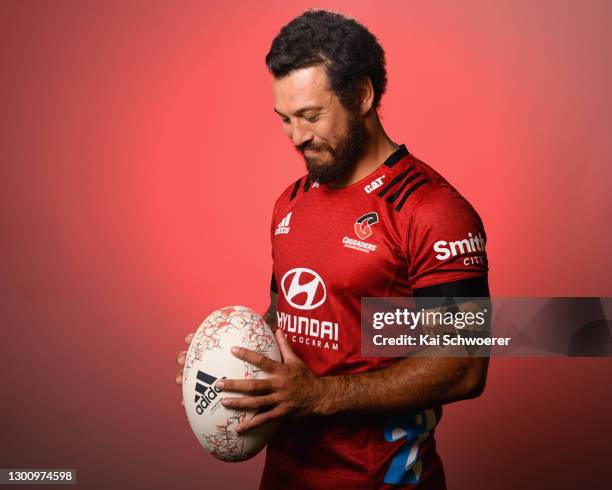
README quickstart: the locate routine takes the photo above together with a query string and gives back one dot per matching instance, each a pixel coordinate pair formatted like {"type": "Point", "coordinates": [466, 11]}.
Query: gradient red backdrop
{"type": "Point", "coordinates": [140, 162]}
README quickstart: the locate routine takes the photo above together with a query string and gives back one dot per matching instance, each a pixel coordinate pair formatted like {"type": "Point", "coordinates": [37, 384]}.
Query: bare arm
{"type": "Point", "coordinates": [414, 382]}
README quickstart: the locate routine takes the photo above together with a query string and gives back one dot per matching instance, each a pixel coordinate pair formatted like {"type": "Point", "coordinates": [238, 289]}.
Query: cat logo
{"type": "Point", "coordinates": [375, 184]}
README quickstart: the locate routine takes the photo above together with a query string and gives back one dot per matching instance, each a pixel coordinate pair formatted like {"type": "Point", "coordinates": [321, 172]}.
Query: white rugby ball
{"type": "Point", "coordinates": [208, 360]}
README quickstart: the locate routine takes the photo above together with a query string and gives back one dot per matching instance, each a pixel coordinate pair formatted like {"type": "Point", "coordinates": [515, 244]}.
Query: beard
{"type": "Point", "coordinates": [343, 158]}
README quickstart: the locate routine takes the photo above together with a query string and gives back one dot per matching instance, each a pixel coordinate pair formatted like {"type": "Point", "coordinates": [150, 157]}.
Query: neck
{"type": "Point", "coordinates": [378, 147]}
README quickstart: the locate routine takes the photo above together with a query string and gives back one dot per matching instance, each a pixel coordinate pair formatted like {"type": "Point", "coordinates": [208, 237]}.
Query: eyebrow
{"type": "Point", "coordinates": [301, 111]}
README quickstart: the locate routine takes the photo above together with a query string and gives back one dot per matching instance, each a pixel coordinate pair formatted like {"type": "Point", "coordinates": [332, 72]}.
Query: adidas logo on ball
{"type": "Point", "coordinates": [206, 392]}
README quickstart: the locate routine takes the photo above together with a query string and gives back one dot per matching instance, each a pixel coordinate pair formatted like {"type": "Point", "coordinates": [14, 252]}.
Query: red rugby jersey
{"type": "Point", "coordinates": [400, 231]}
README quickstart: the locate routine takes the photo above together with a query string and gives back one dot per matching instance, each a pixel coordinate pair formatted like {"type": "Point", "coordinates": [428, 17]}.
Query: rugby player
{"type": "Point", "coordinates": [367, 219]}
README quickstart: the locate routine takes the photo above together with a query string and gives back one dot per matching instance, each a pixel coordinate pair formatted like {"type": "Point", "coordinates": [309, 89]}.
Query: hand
{"type": "Point", "coordinates": [180, 360]}
{"type": "Point", "coordinates": [290, 388]}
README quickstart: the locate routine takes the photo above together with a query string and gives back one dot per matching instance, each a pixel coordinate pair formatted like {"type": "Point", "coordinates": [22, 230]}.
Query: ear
{"type": "Point", "coordinates": [367, 95]}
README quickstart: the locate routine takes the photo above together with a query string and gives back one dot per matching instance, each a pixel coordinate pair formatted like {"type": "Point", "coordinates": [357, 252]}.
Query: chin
{"type": "Point", "coordinates": [317, 162]}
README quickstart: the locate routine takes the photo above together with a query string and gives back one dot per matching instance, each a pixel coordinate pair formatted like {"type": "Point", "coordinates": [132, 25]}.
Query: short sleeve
{"type": "Point", "coordinates": [446, 241]}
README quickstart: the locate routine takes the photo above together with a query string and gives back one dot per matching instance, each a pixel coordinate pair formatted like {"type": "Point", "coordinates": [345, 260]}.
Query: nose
{"type": "Point", "coordinates": [300, 134]}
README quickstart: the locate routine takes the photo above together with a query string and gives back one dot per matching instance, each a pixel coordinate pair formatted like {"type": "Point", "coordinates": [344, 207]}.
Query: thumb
{"type": "Point", "coordinates": [285, 347]}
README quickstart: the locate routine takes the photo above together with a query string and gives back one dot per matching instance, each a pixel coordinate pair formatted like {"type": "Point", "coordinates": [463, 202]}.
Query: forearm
{"type": "Point", "coordinates": [410, 383]}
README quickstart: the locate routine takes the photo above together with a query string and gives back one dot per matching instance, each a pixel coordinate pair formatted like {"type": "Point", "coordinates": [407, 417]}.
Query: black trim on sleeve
{"type": "Point", "coordinates": [273, 285]}
{"type": "Point", "coordinates": [393, 196]}
{"type": "Point", "coordinates": [475, 287]}
{"type": "Point", "coordinates": [410, 191]}
{"type": "Point", "coordinates": [443, 295]}
{"type": "Point", "coordinates": [397, 179]}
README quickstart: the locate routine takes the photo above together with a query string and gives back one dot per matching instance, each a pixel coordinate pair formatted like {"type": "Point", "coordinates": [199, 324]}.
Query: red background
{"type": "Point", "coordinates": [140, 162]}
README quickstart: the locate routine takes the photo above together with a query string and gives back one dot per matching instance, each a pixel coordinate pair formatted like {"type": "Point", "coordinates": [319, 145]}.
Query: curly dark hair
{"type": "Point", "coordinates": [347, 49]}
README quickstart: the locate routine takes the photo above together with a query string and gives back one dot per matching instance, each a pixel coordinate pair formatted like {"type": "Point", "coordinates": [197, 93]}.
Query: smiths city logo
{"type": "Point", "coordinates": [205, 391]}
{"type": "Point", "coordinates": [363, 230]}
{"type": "Point", "coordinates": [303, 288]}
{"type": "Point", "coordinates": [471, 246]}
{"type": "Point", "coordinates": [283, 226]}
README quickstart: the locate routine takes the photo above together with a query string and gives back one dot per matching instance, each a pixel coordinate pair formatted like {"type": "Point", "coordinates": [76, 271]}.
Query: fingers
{"type": "Point", "coordinates": [247, 386]}
{"type": "Point", "coordinates": [179, 381]}
{"type": "Point", "coordinates": [260, 419]}
{"type": "Point", "coordinates": [189, 338]}
{"type": "Point", "coordinates": [255, 358]}
{"type": "Point", "coordinates": [247, 402]}
{"type": "Point", "coordinates": [180, 359]}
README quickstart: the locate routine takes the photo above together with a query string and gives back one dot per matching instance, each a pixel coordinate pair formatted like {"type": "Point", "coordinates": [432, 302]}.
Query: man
{"type": "Point", "coordinates": [362, 222]}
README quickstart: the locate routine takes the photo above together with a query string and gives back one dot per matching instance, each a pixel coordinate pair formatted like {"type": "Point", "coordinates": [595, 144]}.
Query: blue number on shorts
{"type": "Point", "coordinates": [406, 466]}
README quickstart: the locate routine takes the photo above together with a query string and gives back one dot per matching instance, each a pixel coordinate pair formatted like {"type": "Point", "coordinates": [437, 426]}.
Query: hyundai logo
{"type": "Point", "coordinates": [303, 288]}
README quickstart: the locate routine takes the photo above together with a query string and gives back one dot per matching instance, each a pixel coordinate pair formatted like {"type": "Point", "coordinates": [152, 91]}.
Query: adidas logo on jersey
{"type": "Point", "coordinates": [206, 392]}
{"type": "Point", "coordinates": [375, 184]}
{"type": "Point", "coordinates": [283, 226]}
